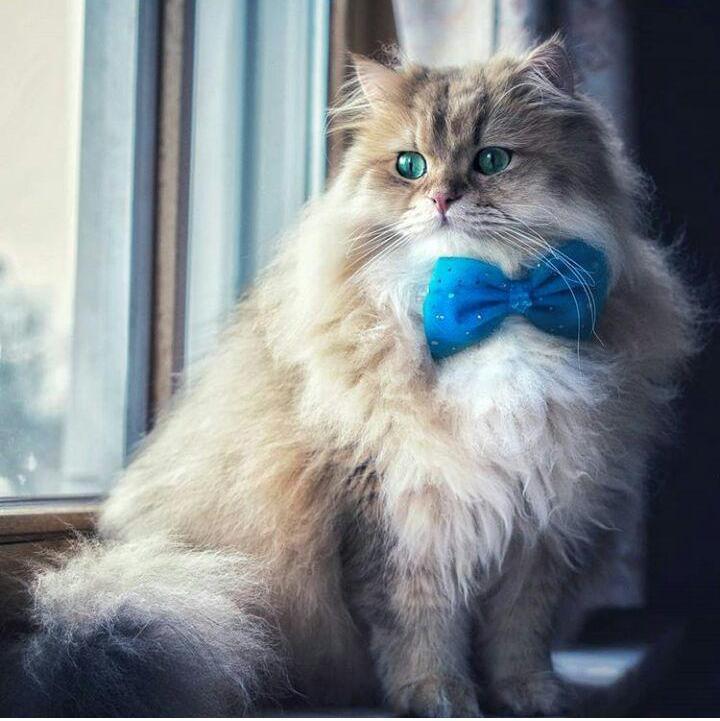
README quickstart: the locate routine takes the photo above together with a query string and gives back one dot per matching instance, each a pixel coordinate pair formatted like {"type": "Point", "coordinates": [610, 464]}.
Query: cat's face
{"type": "Point", "coordinates": [504, 153]}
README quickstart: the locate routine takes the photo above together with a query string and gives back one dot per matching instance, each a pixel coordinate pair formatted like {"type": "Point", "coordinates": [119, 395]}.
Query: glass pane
{"type": "Point", "coordinates": [77, 94]}
{"type": "Point", "coordinates": [40, 87]}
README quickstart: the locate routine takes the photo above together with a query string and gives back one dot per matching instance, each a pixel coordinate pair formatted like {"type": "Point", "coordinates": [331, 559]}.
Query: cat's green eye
{"type": "Point", "coordinates": [492, 160]}
{"type": "Point", "coordinates": [411, 165]}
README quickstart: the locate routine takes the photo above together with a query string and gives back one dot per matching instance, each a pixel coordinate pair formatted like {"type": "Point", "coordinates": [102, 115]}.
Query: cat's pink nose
{"type": "Point", "coordinates": [443, 201]}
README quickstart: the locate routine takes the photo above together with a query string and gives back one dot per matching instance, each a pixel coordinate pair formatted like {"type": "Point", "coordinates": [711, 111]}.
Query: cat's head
{"type": "Point", "coordinates": [492, 158]}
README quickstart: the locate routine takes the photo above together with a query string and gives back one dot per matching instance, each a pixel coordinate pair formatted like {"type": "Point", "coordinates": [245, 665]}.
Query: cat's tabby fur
{"type": "Point", "coordinates": [329, 511]}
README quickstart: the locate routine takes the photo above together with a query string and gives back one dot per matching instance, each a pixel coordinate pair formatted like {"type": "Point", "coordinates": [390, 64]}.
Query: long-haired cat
{"type": "Point", "coordinates": [337, 513]}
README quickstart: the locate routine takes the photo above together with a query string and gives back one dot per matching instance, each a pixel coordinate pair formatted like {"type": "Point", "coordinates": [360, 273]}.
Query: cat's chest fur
{"type": "Point", "coordinates": [518, 400]}
{"type": "Point", "coordinates": [523, 410]}
{"type": "Point", "coordinates": [513, 374]}
{"type": "Point", "coordinates": [506, 392]}
{"type": "Point", "coordinates": [522, 441]}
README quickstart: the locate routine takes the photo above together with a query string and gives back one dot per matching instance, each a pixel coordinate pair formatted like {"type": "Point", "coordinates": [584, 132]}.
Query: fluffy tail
{"type": "Point", "coordinates": [145, 628]}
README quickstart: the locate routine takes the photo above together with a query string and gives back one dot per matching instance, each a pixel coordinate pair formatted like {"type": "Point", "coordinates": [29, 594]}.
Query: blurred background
{"type": "Point", "coordinates": [152, 152]}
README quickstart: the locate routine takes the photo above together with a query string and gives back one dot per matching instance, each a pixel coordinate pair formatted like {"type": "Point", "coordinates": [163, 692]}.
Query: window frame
{"type": "Point", "coordinates": [108, 399]}
{"type": "Point", "coordinates": [43, 518]}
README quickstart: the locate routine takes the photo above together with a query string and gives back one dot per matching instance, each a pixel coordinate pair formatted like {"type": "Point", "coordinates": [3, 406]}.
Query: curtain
{"type": "Point", "coordinates": [455, 32]}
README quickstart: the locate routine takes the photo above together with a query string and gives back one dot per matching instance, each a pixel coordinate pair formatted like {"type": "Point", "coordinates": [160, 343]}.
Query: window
{"type": "Point", "coordinates": [163, 151]}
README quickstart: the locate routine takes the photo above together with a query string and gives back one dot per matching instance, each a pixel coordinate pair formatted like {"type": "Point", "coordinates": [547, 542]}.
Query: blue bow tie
{"type": "Point", "coordinates": [468, 299]}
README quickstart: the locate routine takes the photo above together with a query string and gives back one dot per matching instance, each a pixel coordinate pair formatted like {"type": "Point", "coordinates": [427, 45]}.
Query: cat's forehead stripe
{"type": "Point", "coordinates": [450, 112]}
{"type": "Point", "coordinates": [439, 113]}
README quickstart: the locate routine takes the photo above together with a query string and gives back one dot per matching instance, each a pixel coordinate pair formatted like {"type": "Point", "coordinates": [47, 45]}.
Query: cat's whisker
{"type": "Point", "coordinates": [529, 244]}
{"type": "Point", "coordinates": [540, 238]}
{"type": "Point", "coordinates": [384, 252]}
{"type": "Point", "coordinates": [370, 244]}
{"type": "Point", "coordinates": [529, 240]}
{"type": "Point", "coordinates": [581, 275]}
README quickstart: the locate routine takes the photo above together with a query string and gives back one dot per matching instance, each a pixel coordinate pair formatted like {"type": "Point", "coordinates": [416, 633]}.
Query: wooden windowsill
{"type": "Point", "coordinates": [32, 531]}
{"type": "Point", "coordinates": [24, 520]}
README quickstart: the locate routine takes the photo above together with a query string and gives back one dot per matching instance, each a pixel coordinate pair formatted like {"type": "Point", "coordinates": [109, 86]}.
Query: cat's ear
{"type": "Point", "coordinates": [378, 82]}
{"type": "Point", "coordinates": [551, 61]}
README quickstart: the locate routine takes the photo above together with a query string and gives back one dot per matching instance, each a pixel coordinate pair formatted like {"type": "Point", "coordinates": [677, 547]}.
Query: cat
{"type": "Point", "coordinates": [331, 513]}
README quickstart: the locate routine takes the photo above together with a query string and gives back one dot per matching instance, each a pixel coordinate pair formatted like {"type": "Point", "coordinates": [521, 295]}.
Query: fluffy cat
{"type": "Point", "coordinates": [330, 513]}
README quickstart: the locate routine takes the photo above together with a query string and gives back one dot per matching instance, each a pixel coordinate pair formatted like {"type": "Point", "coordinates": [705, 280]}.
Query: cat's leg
{"type": "Point", "coordinates": [419, 637]}
{"type": "Point", "coordinates": [517, 631]}
{"type": "Point", "coordinates": [422, 650]}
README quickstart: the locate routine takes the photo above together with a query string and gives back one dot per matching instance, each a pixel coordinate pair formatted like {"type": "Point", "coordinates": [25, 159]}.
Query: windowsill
{"type": "Point", "coordinates": [37, 519]}
{"type": "Point", "coordinates": [32, 530]}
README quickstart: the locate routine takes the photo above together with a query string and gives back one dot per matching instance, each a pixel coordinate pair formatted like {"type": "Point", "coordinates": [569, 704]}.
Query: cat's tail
{"type": "Point", "coordinates": [143, 628]}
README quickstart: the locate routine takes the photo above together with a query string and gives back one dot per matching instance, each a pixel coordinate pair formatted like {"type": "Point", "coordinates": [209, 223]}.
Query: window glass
{"type": "Point", "coordinates": [76, 154]}
{"type": "Point", "coordinates": [40, 87]}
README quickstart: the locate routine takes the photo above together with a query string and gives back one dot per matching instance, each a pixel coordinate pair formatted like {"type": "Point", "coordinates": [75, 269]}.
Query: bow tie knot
{"type": "Point", "coordinates": [468, 299]}
{"type": "Point", "coordinates": [519, 298]}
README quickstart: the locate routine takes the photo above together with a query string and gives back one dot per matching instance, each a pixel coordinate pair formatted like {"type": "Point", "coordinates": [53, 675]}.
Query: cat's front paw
{"type": "Point", "coordinates": [438, 696]}
{"type": "Point", "coordinates": [539, 694]}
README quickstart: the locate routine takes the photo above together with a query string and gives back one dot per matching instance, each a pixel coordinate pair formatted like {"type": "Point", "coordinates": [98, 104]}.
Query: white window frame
{"type": "Point", "coordinates": [108, 399]}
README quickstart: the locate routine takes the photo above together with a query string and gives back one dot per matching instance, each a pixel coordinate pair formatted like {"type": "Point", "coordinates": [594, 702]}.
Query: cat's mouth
{"type": "Point", "coordinates": [444, 222]}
